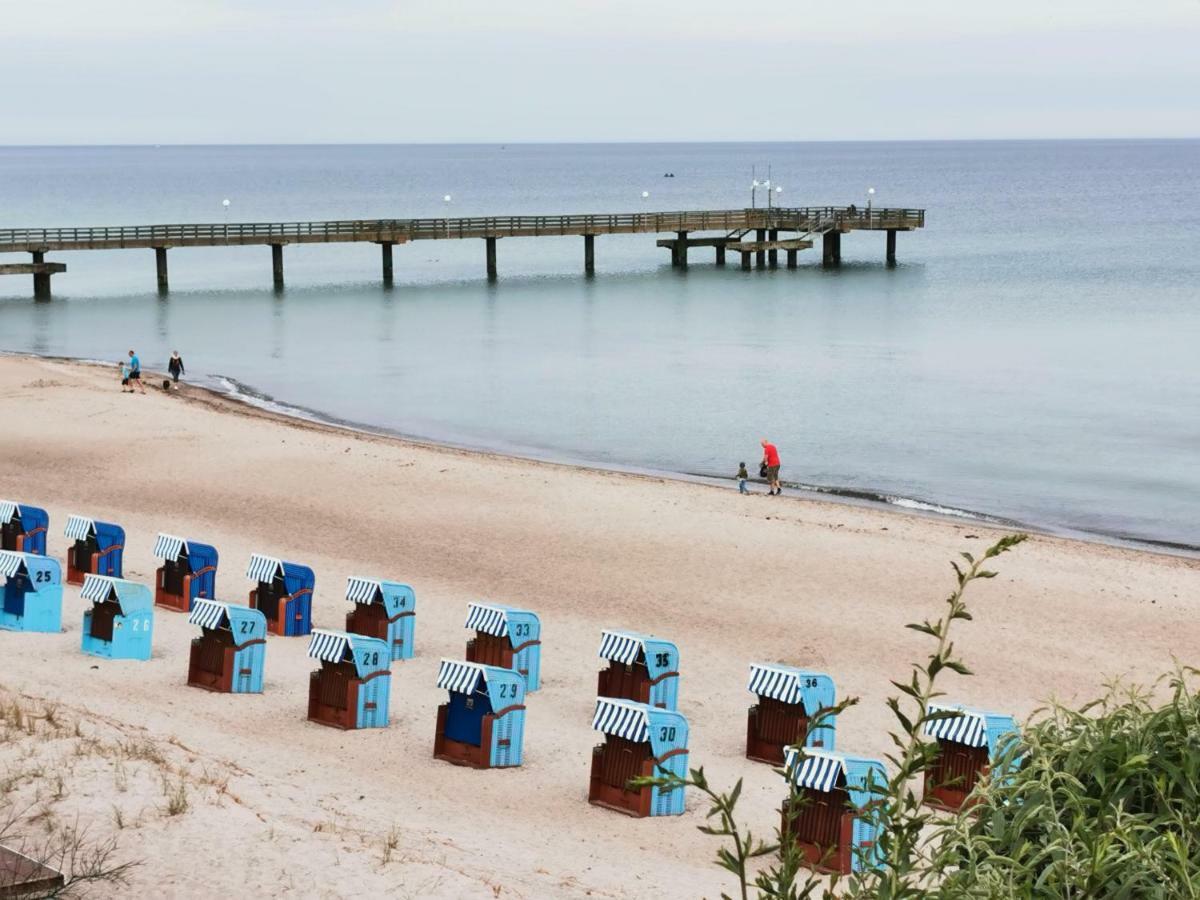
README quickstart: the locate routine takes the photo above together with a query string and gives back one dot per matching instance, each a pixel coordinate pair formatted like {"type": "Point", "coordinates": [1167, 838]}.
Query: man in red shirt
{"type": "Point", "coordinates": [771, 461]}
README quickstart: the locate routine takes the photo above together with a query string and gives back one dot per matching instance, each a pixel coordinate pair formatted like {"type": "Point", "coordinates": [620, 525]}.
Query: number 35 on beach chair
{"type": "Point", "coordinates": [384, 610]}
{"type": "Point", "coordinates": [188, 572]}
{"type": "Point", "coordinates": [229, 654]}
{"type": "Point", "coordinates": [284, 594]}
{"type": "Point", "coordinates": [32, 593]}
{"type": "Point", "coordinates": [119, 624]}
{"type": "Point", "coordinates": [23, 528]}
{"type": "Point", "coordinates": [641, 668]}
{"type": "Point", "coordinates": [483, 724]}
{"type": "Point", "coordinates": [97, 548]}
{"type": "Point", "coordinates": [351, 689]}
{"type": "Point", "coordinates": [639, 741]}
{"type": "Point", "coordinates": [508, 638]}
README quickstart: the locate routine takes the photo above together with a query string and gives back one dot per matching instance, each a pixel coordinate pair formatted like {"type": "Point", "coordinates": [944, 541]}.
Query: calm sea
{"type": "Point", "coordinates": [1034, 357]}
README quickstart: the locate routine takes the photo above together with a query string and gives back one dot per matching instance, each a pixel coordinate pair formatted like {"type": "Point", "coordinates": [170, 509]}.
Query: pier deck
{"type": "Point", "coordinates": [804, 222]}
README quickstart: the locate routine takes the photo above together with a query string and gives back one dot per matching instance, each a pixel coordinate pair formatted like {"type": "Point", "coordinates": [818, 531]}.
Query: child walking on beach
{"type": "Point", "coordinates": [742, 475]}
{"type": "Point", "coordinates": [124, 367]}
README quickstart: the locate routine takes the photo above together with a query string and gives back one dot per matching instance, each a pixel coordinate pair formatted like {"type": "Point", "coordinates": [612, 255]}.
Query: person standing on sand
{"type": "Point", "coordinates": [135, 372]}
{"type": "Point", "coordinates": [771, 461]}
{"type": "Point", "coordinates": [175, 368]}
{"type": "Point", "coordinates": [741, 476]}
{"type": "Point", "coordinates": [124, 367]}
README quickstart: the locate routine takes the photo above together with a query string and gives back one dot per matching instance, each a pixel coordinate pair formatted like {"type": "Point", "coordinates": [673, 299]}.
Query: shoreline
{"type": "Point", "coordinates": [249, 398]}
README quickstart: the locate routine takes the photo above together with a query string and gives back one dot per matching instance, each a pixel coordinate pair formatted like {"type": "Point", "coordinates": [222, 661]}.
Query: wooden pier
{"type": "Point", "coordinates": [788, 229]}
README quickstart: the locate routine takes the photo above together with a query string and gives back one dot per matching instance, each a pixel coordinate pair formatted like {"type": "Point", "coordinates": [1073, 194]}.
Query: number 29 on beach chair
{"type": "Point", "coordinates": [483, 723]}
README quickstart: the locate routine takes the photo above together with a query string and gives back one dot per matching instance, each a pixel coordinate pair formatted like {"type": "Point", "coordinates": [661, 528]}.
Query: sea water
{"type": "Point", "coordinates": [1033, 357]}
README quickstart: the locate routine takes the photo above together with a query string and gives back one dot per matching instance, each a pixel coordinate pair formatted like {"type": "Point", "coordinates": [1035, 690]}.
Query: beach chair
{"type": "Point", "coordinates": [23, 528]}
{"type": "Point", "coordinates": [283, 594]}
{"type": "Point", "coordinates": [230, 653]}
{"type": "Point", "coordinates": [351, 689]}
{"type": "Point", "coordinates": [639, 741]}
{"type": "Point", "coordinates": [188, 572]}
{"type": "Point", "coordinates": [787, 699]}
{"type": "Point", "coordinates": [119, 624]}
{"type": "Point", "coordinates": [506, 637]}
{"type": "Point", "coordinates": [483, 723]}
{"type": "Point", "coordinates": [969, 742]}
{"type": "Point", "coordinates": [32, 593]}
{"type": "Point", "coordinates": [97, 549]}
{"type": "Point", "coordinates": [384, 610]}
{"type": "Point", "coordinates": [641, 668]}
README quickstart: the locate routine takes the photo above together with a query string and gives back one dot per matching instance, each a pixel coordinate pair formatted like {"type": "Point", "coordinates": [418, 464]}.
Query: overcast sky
{"type": "Point", "coordinates": [268, 71]}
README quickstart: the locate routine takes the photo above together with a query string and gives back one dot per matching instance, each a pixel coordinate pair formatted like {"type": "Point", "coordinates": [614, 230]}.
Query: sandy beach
{"type": "Point", "coordinates": [279, 805]}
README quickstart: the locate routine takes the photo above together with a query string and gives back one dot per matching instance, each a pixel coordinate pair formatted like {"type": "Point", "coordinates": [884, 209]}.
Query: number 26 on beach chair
{"type": "Point", "coordinates": [97, 549]}
{"type": "Point", "coordinates": [32, 592]}
{"type": "Point", "coordinates": [641, 668]}
{"type": "Point", "coordinates": [969, 742]}
{"type": "Point", "coordinates": [188, 572]}
{"type": "Point", "coordinates": [284, 594]}
{"type": "Point", "coordinates": [483, 724]}
{"type": "Point", "coordinates": [119, 623]}
{"type": "Point", "coordinates": [639, 741]}
{"type": "Point", "coordinates": [228, 656]}
{"type": "Point", "coordinates": [23, 528]}
{"type": "Point", "coordinates": [508, 638]}
{"type": "Point", "coordinates": [352, 688]}
{"type": "Point", "coordinates": [384, 610]}
{"type": "Point", "coordinates": [788, 698]}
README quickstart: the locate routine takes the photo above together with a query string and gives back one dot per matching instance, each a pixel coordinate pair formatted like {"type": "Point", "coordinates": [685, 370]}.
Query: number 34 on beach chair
{"type": "Point", "coordinates": [284, 594]}
{"type": "Point", "coordinates": [385, 610]}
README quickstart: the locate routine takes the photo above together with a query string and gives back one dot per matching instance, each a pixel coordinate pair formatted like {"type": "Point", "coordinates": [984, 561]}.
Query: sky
{"type": "Point", "coordinates": [359, 71]}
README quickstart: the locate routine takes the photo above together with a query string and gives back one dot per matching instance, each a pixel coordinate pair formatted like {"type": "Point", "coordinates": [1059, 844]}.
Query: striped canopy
{"type": "Point", "coordinates": [98, 588]}
{"type": "Point", "coordinates": [10, 563]}
{"type": "Point", "coordinates": [618, 647]}
{"type": "Point", "coordinates": [622, 718]}
{"type": "Point", "coordinates": [488, 619]}
{"type": "Point", "coordinates": [329, 646]}
{"type": "Point", "coordinates": [969, 728]}
{"type": "Point", "coordinates": [776, 682]}
{"type": "Point", "coordinates": [208, 613]}
{"type": "Point", "coordinates": [263, 568]}
{"type": "Point", "coordinates": [167, 546]}
{"type": "Point", "coordinates": [80, 528]}
{"type": "Point", "coordinates": [819, 771]}
{"type": "Point", "coordinates": [8, 509]}
{"type": "Point", "coordinates": [363, 590]}
{"type": "Point", "coordinates": [460, 677]}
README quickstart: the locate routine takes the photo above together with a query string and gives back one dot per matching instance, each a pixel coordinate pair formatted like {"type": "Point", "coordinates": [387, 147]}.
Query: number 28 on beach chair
{"type": "Point", "coordinates": [483, 724]}
{"type": "Point", "coordinates": [188, 572]}
{"type": "Point", "coordinates": [641, 668]}
{"type": "Point", "coordinates": [508, 638]}
{"type": "Point", "coordinates": [23, 528]}
{"type": "Point", "coordinates": [119, 624]}
{"type": "Point", "coordinates": [834, 823]}
{"type": "Point", "coordinates": [639, 740]}
{"type": "Point", "coordinates": [284, 594]}
{"type": "Point", "coordinates": [229, 654]}
{"type": "Point", "coordinates": [384, 610]}
{"type": "Point", "coordinates": [32, 593]}
{"type": "Point", "coordinates": [969, 741]}
{"type": "Point", "coordinates": [97, 549]}
{"type": "Point", "coordinates": [787, 700]}
{"type": "Point", "coordinates": [351, 689]}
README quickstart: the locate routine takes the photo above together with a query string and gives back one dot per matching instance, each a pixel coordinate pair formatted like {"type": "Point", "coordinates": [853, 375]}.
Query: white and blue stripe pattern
{"type": "Point", "coordinates": [208, 613]}
{"type": "Point", "coordinates": [460, 677]}
{"type": "Point", "coordinates": [167, 546]}
{"type": "Point", "coordinates": [618, 647]}
{"type": "Point", "coordinates": [776, 683]}
{"type": "Point", "coordinates": [623, 719]}
{"type": "Point", "coordinates": [97, 588]}
{"type": "Point", "coordinates": [969, 728]}
{"type": "Point", "coordinates": [363, 590]}
{"type": "Point", "coordinates": [818, 770]}
{"type": "Point", "coordinates": [10, 563]}
{"type": "Point", "coordinates": [329, 646]}
{"type": "Point", "coordinates": [263, 568]}
{"type": "Point", "coordinates": [489, 619]}
{"type": "Point", "coordinates": [8, 509]}
{"type": "Point", "coordinates": [79, 528]}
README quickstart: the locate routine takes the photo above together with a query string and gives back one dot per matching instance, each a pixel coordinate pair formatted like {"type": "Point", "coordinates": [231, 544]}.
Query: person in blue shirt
{"type": "Point", "coordinates": [135, 371]}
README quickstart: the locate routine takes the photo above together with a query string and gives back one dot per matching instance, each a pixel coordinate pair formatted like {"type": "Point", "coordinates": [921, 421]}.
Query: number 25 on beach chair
{"type": "Point", "coordinates": [384, 610]}
{"type": "Point", "coordinates": [351, 689]}
{"type": "Point", "coordinates": [284, 594]}
{"type": "Point", "coordinates": [788, 698]}
{"type": "Point", "coordinates": [32, 593]}
{"type": "Point", "coordinates": [119, 623]}
{"type": "Point", "coordinates": [23, 528]}
{"type": "Point", "coordinates": [97, 548]}
{"type": "Point", "coordinates": [639, 740]}
{"type": "Point", "coordinates": [483, 724]}
{"type": "Point", "coordinates": [968, 745]}
{"type": "Point", "coordinates": [229, 654]}
{"type": "Point", "coordinates": [508, 638]}
{"type": "Point", "coordinates": [188, 572]}
{"type": "Point", "coordinates": [641, 668]}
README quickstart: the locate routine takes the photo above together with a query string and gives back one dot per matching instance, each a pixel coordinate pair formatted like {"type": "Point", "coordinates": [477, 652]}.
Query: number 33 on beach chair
{"type": "Point", "coordinates": [284, 594]}
{"type": "Point", "coordinates": [508, 638]}
{"type": "Point", "coordinates": [32, 593]}
{"type": "Point", "coordinates": [483, 724]}
{"type": "Point", "coordinates": [98, 548]}
{"type": "Point", "coordinates": [351, 689]}
{"type": "Point", "coordinates": [639, 741]}
{"type": "Point", "coordinates": [119, 624]}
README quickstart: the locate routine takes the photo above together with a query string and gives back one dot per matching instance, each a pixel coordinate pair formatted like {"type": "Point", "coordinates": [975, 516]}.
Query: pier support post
{"type": "Point", "coordinates": [773, 255]}
{"type": "Point", "coordinates": [891, 246]}
{"type": "Point", "coordinates": [491, 258]}
{"type": "Point", "coordinates": [745, 260]}
{"type": "Point", "coordinates": [160, 266]}
{"type": "Point", "coordinates": [277, 265]}
{"type": "Point", "coordinates": [681, 249]}
{"type": "Point", "coordinates": [589, 254]}
{"type": "Point", "coordinates": [385, 248]}
{"type": "Point", "coordinates": [720, 254]}
{"type": "Point", "coordinates": [791, 259]}
{"type": "Point", "coordinates": [831, 248]}
{"type": "Point", "coordinates": [760, 257]}
{"type": "Point", "coordinates": [41, 280]}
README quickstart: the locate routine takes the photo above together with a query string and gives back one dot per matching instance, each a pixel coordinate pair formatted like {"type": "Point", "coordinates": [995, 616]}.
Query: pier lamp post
{"type": "Point", "coordinates": [446, 199]}
{"type": "Point", "coordinates": [754, 186]}
{"type": "Point", "coordinates": [225, 203]}
{"type": "Point", "coordinates": [870, 197]}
